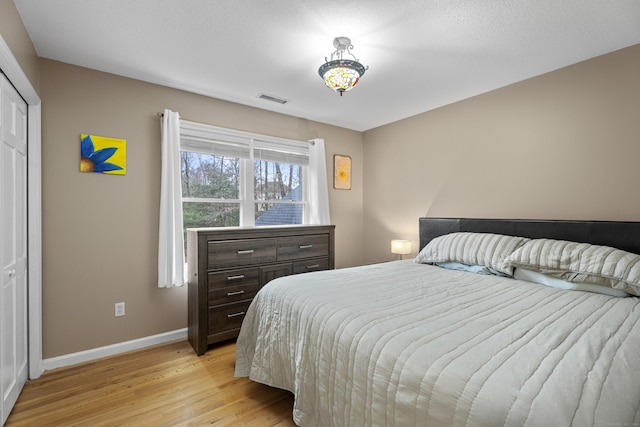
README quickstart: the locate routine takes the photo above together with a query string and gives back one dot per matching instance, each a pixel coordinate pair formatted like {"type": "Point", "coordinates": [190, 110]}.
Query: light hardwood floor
{"type": "Point", "coordinates": [164, 385]}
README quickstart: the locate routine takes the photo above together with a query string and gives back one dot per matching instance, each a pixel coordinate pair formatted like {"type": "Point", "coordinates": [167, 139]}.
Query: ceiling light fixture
{"type": "Point", "coordinates": [339, 74]}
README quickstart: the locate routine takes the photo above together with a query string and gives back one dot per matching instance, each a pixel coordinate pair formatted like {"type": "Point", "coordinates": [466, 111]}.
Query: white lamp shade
{"type": "Point", "coordinates": [402, 247]}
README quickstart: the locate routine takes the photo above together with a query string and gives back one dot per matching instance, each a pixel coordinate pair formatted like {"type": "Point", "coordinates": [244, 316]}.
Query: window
{"type": "Point", "coordinates": [210, 189]}
{"type": "Point", "coordinates": [277, 193]}
{"type": "Point", "coordinates": [217, 167]}
{"type": "Point", "coordinates": [232, 178]}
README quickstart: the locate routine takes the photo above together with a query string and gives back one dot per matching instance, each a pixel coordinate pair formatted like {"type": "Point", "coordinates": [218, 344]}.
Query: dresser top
{"type": "Point", "coordinates": [258, 228]}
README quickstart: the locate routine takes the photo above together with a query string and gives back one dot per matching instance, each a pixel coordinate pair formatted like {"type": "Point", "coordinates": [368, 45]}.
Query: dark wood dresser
{"type": "Point", "coordinates": [228, 265]}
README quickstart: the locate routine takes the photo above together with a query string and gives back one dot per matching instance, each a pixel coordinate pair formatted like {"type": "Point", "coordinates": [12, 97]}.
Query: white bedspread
{"type": "Point", "coordinates": [404, 344]}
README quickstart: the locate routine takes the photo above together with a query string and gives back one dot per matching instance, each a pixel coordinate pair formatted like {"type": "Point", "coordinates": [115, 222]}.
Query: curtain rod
{"type": "Point", "coordinates": [209, 124]}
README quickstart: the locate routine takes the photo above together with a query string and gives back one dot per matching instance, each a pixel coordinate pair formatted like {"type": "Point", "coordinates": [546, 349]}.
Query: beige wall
{"type": "Point", "coordinates": [564, 145]}
{"type": "Point", "coordinates": [15, 35]}
{"type": "Point", "coordinates": [100, 232]}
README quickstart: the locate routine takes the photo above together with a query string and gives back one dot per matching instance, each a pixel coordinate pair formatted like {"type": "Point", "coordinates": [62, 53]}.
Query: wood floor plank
{"type": "Point", "coordinates": [165, 385]}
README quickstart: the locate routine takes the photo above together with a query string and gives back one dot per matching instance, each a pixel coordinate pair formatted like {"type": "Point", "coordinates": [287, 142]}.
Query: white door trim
{"type": "Point", "coordinates": [11, 68]}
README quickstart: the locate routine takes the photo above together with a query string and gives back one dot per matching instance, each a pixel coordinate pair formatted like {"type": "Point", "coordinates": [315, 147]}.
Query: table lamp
{"type": "Point", "coordinates": [401, 247]}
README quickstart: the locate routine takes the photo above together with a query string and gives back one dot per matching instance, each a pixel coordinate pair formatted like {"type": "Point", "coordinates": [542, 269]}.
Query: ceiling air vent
{"type": "Point", "coordinates": [273, 98]}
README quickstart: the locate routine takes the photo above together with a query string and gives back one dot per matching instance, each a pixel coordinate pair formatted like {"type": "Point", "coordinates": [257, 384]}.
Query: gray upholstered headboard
{"type": "Point", "coordinates": [621, 235]}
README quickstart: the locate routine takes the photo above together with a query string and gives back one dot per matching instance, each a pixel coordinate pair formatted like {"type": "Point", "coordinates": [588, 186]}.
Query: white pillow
{"type": "Point", "coordinates": [554, 282]}
{"type": "Point", "coordinates": [485, 249]}
{"type": "Point", "coordinates": [580, 263]}
{"type": "Point", "coordinates": [458, 266]}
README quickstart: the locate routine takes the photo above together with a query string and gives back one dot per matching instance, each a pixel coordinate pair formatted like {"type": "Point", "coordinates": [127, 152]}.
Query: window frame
{"type": "Point", "coordinates": [194, 136]}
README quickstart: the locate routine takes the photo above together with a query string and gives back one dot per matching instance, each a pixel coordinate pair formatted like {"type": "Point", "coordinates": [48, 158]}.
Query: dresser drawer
{"type": "Point", "coordinates": [231, 294]}
{"type": "Point", "coordinates": [227, 317]}
{"type": "Point", "coordinates": [297, 247]}
{"type": "Point", "coordinates": [233, 285]}
{"type": "Point", "coordinates": [224, 279]}
{"type": "Point", "coordinates": [308, 265]}
{"type": "Point", "coordinates": [270, 272]}
{"type": "Point", "coordinates": [234, 253]}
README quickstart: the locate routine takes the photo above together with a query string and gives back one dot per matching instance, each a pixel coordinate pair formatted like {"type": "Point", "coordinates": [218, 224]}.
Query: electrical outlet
{"type": "Point", "coordinates": [119, 309]}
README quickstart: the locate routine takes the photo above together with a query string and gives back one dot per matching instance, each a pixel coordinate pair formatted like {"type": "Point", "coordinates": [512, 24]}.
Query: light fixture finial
{"type": "Point", "coordinates": [339, 74]}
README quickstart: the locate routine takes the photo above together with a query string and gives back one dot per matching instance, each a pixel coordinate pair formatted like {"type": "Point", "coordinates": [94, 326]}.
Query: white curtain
{"type": "Point", "coordinates": [171, 271]}
{"type": "Point", "coordinates": [317, 189]}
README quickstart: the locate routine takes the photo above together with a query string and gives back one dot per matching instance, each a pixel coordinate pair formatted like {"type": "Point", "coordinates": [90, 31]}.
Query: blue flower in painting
{"type": "Point", "coordinates": [95, 161]}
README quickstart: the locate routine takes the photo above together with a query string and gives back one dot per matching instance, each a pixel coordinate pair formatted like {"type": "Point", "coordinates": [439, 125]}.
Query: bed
{"type": "Point", "coordinates": [455, 339]}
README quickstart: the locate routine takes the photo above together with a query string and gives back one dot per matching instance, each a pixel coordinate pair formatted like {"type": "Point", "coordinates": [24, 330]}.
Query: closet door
{"type": "Point", "coordinates": [13, 245]}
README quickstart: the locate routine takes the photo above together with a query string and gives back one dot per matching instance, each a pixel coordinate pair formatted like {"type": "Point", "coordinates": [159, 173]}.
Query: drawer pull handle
{"type": "Point", "coordinates": [238, 277]}
{"type": "Point", "coordinates": [229, 316]}
{"type": "Point", "coordinates": [306, 246]}
{"type": "Point", "coordinates": [232, 294]}
{"type": "Point", "coordinates": [309, 267]}
{"type": "Point", "coordinates": [248, 251]}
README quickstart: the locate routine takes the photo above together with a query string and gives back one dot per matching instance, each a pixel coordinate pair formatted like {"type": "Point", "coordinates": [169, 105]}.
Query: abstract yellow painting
{"type": "Point", "coordinates": [96, 150]}
{"type": "Point", "coordinates": [341, 172]}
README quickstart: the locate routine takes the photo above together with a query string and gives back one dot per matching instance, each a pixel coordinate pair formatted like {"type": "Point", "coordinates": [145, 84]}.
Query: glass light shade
{"type": "Point", "coordinates": [402, 247]}
{"type": "Point", "coordinates": [341, 75]}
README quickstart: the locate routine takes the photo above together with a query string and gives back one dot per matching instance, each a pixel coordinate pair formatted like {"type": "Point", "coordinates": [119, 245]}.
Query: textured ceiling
{"type": "Point", "coordinates": [422, 54]}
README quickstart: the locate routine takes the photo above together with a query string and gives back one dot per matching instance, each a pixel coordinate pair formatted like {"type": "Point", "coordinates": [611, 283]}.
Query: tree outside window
{"type": "Point", "coordinates": [211, 191]}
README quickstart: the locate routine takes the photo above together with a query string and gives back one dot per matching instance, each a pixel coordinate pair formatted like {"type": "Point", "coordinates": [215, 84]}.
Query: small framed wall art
{"type": "Point", "coordinates": [341, 172]}
{"type": "Point", "coordinates": [103, 155]}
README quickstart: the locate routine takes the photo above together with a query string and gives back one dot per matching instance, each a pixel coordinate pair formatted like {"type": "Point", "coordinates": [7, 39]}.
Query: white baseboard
{"type": "Point", "coordinates": [110, 350]}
